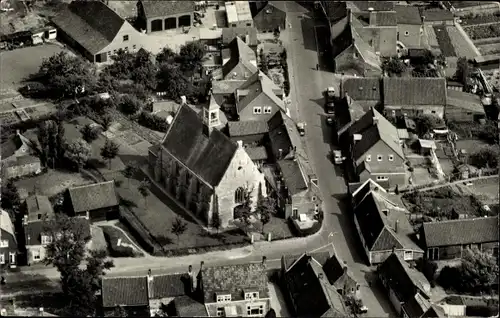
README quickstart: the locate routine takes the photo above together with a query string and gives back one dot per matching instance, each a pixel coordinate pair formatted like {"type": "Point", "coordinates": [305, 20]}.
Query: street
{"type": "Point", "coordinates": [307, 84]}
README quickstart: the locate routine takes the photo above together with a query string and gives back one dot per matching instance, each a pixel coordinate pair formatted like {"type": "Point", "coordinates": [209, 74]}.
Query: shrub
{"type": "Point", "coordinates": [129, 104]}
{"type": "Point", "coordinates": [111, 236]}
{"type": "Point", "coordinates": [152, 121]}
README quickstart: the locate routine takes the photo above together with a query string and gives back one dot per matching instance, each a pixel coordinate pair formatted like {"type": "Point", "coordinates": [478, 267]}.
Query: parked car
{"type": "Point", "coordinates": [301, 127]}
{"type": "Point", "coordinates": [329, 120]}
{"type": "Point", "coordinates": [337, 157]}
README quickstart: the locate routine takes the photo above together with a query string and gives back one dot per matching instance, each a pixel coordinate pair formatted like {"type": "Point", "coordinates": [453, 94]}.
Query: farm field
{"type": "Point", "coordinates": [444, 41]}
{"type": "Point", "coordinates": [487, 49]}
{"type": "Point", "coordinates": [477, 32]}
{"type": "Point", "coordinates": [480, 20]}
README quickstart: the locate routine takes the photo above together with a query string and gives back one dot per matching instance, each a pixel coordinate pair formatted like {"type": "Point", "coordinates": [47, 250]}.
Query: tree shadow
{"type": "Point", "coordinates": [127, 203]}
{"type": "Point", "coordinates": [319, 101]}
{"type": "Point", "coordinates": [164, 240]}
{"type": "Point", "coordinates": [96, 163]}
{"type": "Point", "coordinates": [24, 282]}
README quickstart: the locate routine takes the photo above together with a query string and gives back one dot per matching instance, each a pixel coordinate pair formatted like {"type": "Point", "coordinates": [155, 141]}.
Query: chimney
{"type": "Point", "coordinates": [260, 76]}
{"type": "Point", "coordinates": [373, 17]}
{"type": "Point", "coordinates": [344, 267]}
{"type": "Point", "coordinates": [150, 284]}
{"type": "Point", "coordinates": [393, 248]}
{"type": "Point", "coordinates": [320, 275]}
{"type": "Point", "coordinates": [396, 226]}
{"type": "Point", "coordinates": [375, 121]}
{"type": "Point", "coordinates": [264, 259]}
{"type": "Point", "coordinates": [240, 143]}
{"type": "Point", "coordinates": [280, 153]}
{"type": "Point", "coordinates": [247, 39]}
{"type": "Point", "coordinates": [357, 137]}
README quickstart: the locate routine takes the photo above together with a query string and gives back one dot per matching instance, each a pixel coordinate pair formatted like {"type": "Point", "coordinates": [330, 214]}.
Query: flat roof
{"type": "Point", "coordinates": [238, 11]}
{"type": "Point", "coordinates": [487, 58]}
{"type": "Point", "coordinates": [231, 13]}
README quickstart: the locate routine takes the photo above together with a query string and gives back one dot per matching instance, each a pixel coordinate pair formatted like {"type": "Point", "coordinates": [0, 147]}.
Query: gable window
{"type": "Point", "coordinates": [391, 158]}
{"type": "Point", "coordinates": [433, 253]}
{"type": "Point", "coordinates": [251, 296]}
{"type": "Point", "coordinates": [368, 158]}
{"type": "Point", "coordinates": [268, 109]}
{"type": "Point", "coordinates": [379, 157]}
{"type": "Point", "coordinates": [239, 195]}
{"type": "Point", "coordinates": [36, 255]}
{"type": "Point", "coordinates": [223, 298]}
{"type": "Point", "coordinates": [2, 258]}
{"type": "Point", "coordinates": [408, 256]}
{"type": "Point", "coordinates": [407, 33]}
{"type": "Point", "coordinates": [4, 243]}
{"type": "Point", "coordinates": [46, 239]}
{"type": "Point", "coordinates": [257, 110]}
{"type": "Point", "coordinates": [313, 198]}
{"type": "Point", "coordinates": [220, 311]}
{"type": "Point", "coordinates": [255, 310]}
{"type": "Point", "coordinates": [125, 38]}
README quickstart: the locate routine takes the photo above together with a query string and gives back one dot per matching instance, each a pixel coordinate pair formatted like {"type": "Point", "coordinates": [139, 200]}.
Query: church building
{"type": "Point", "coordinates": [202, 168]}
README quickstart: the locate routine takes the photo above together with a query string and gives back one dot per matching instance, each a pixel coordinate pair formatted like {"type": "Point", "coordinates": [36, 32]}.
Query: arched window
{"type": "Point", "coordinates": [239, 195]}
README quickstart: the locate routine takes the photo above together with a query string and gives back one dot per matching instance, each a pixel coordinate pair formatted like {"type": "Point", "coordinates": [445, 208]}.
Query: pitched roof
{"type": "Point", "coordinates": [437, 15]}
{"type": "Point", "coordinates": [293, 176]}
{"type": "Point", "coordinates": [347, 111]}
{"type": "Point", "coordinates": [228, 35]}
{"type": "Point", "coordinates": [466, 101]}
{"type": "Point", "coordinates": [283, 134]}
{"type": "Point", "coordinates": [403, 280]}
{"type": "Point", "coordinates": [408, 15]}
{"type": "Point", "coordinates": [208, 156]}
{"type": "Point", "coordinates": [462, 231]}
{"type": "Point", "coordinates": [6, 223]}
{"type": "Point", "coordinates": [271, 16]}
{"type": "Point", "coordinates": [93, 196]}
{"type": "Point", "coordinates": [34, 229]}
{"type": "Point", "coordinates": [335, 10]}
{"type": "Point", "coordinates": [257, 153]}
{"type": "Point", "coordinates": [241, 57]}
{"type": "Point", "coordinates": [38, 205]}
{"type": "Point", "coordinates": [234, 279]}
{"type": "Point", "coordinates": [362, 88]}
{"type": "Point", "coordinates": [10, 146]}
{"type": "Point", "coordinates": [25, 160]}
{"type": "Point", "coordinates": [376, 5]}
{"type": "Point", "coordinates": [414, 91]}
{"type": "Point", "coordinates": [92, 24]}
{"type": "Point", "coordinates": [154, 9]}
{"type": "Point", "coordinates": [129, 291]}
{"type": "Point", "coordinates": [226, 86]}
{"type": "Point", "coordinates": [256, 85]}
{"type": "Point", "coordinates": [383, 18]}
{"type": "Point", "coordinates": [168, 286]}
{"type": "Point", "coordinates": [373, 131]}
{"type": "Point", "coordinates": [188, 307]}
{"type": "Point", "coordinates": [417, 306]}
{"type": "Point", "coordinates": [247, 128]}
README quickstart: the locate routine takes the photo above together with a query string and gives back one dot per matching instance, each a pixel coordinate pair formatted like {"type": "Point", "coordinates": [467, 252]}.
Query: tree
{"type": "Point", "coordinates": [119, 311]}
{"type": "Point", "coordinates": [11, 201]}
{"type": "Point", "coordinates": [178, 228]}
{"type": "Point", "coordinates": [129, 104]}
{"type": "Point", "coordinates": [265, 208]}
{"type": "Point", "coordinates": [67, 75]}
{"type": "Point", "coordinates": [463, 70]}
{"type": "Point", "coordinates": [129, 171]}
{"type": "Point", "coordinates": [79, 152]}
{"type": "Point", "coordinates": [166, 56]}
{"type": "Point", "coordinates": [144, 71]}
{"type": "Point", "coordinates": [426, 123]}
{"type": "Point", "coordinates": [89, 133]}
{"type": "Point", "coordinates": [51, 138]}
{"type": "Point", "coordinates": [144, 191]}
{"type": "Point", "coordinates": [485, 157]}
{"type": "Point", "coordinates": [67, 252]}
{"type": "Point", "coordinates": [191, 55]}
{"type": "Point", "coordinates": [173, 82]}
{"type": "Point", "coordinates": [106, 121]}
{"type": "Point", "coordinates": [109, 151]}
{"type": "Point", "coordinates": [264, 67]}
{"type": "Point", "coordinates": [394, 66]}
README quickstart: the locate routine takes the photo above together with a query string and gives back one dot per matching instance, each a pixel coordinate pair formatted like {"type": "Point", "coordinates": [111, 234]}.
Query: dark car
{"type": "Point", "coordinates": [329, 120]}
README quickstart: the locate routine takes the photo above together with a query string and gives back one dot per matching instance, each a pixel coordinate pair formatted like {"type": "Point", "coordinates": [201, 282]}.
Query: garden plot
{"type": "Point", "coordinates": [444, 41]}
{"type": "Point", "coordinates": [480, 20]}
{"type": "Point", "coordinates": [477, 32]}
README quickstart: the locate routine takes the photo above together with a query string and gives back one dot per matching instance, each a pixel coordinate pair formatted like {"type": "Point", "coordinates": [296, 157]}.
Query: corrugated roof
{"type": "Point", "coordinates": [437, 15]}
{"type": "Point", "coordinates": [363, 88]}
{"type": "Point", "coordinates": [384, 19]}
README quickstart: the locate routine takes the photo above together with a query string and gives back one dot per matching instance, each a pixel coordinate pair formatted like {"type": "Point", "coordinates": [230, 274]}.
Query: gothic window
{"type": "Point", "coordinates": [239, 195]}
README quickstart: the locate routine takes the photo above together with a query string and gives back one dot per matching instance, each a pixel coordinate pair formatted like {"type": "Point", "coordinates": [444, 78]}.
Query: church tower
{"type": "Point", "coordinates": [211, 118]}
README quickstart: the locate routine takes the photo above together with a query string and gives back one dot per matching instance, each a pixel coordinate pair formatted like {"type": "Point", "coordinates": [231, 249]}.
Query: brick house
{"type": "Point", "coordinates": [16, 146]}
{"type": "Point", "coordinates": [366, 91]}
{"type": "Point", "coordinates": [8, 242]}
{"type": "Point", "coordinates": [414, 95]}
{"type": "Point", "coordinates": [258, 98]}
{"type": "Point", "coordinates": [375, 150]}
{"type": "Point", "coordinates": [410, 26]}
{"type": "Point", "coordinates": [270, 17]}
{"type": "Point", "coordinates": [251, 133]}
{"type": "Point", "coordinates": [308, 287]}
{"type": "Point", "coordinates": [96, 202]}
{"type": "Point", "coordinates": [379, 31]}
{"type": "Point", "coordinates": [96, 31]}
{"type": "Point", "coordinates": [202, 168]}
{"type": "Point", "coordinates": [408, 289]}
{"type": "Point", "coordinates": [156, 16]}
{"type": "Point", "coordinates": [21, 166]}
{"type": "Point", "coordinates": [463, 107]}
{"type": "Point", "coordinates": [447, 239]}
{"type": "Point", "coordinates": [239, 61]}
{"type": "Point", "coordinates": [36, 209]}
{"type": "Point", "coordinates": [382, 224]}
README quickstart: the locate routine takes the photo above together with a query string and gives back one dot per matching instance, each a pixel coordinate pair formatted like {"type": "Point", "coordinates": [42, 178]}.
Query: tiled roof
{"type": "Point", "coordinates": [226, 86]}
{"type": "Point", "coordinates": [347, 111]}
{"type": "Point", "coordinates": [156, 9]}
{"type": "Point", "coordinates": [417, 306]}
{"type": "Point", "coordinates": [38, 205]}
{"type": "Point", "coordinates": [463, 231]}
{"type": "Point", "coordinates": [9, 147]}
{"type": "Point", "coordinates": [247, 128]}
{"type": "Point", "coordinates": [256, 85]}
{"type": "Point", "coordinates": [34, 229]}
{"type": "Point", "coordinates": [466, 101]}
{"type": "Point", "coordinates": [292, 175]}
{"type": "Point", "coordinates": [240, 60]}
{"type": "Point", "coordinates": [168, 286]}
{"type": "Point", "coordinates": [376, 5]}
{"type": "Point", "coordinates": [6, 223]}
{"type": "Point", "coordinates": [188, 142]}
{"type": "Point", "coordinates": [228, 35]}
{"type": "Point", "coordinates": [188, 307]}
{"type": "Point", "coordinates": [234, 280]}
{"type": "Point", "coordinates": [93, 196]}
{"type": "Point", "coordinates": [403, 280]}
{"type": "Point", "coordinates": [363, 88]}
{"type": "Point", "coordinates": [372, 132]}
{"type": "Point", "coordinates": [128, 291]}
{"type": "Point", "coordinates": [257, 153]}
{"type": "Point", "coordinates": [408, 15]}
{"type": "Point", "coordinates": [414, 91]}
{"type": "Point", "coordinates": [283, 134]}
{"type": "Point", "coordinates": [91, 24]}
{"type": "Point", "coordinates": [384, 19]}
{"type": "Point", "coordinates": [437, 15]}
{"type": "Point", "coordinates": [335, 10]}
{"type": "Point", "coordinates": [270, 17]}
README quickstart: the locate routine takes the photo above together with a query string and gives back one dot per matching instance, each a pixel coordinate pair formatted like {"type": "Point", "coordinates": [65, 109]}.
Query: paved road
{"type": "Point", "coordinates": [306, 85]}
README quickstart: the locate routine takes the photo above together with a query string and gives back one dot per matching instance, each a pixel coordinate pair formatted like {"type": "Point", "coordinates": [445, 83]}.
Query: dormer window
{"type": "Point", "coordinates": [46, 239]}
{"type": "Point", "coordinates": [223, 298]}
{"type": "Point", "coordinates": [268, 109]}
{"type": "Point", "coordinates": [257, 110]}
{"type": "Point", "coordinates": [368, 158]}
{"type": "Point", "coordinates": [391, 158]}
{"type": "Point", "coordinates": [251, 295]}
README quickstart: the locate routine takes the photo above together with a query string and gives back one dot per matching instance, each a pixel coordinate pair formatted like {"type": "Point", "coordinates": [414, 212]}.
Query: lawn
{"type": "Point", "coordinates": [19, 64]}
{"type": "Point", "coordinates": [487, 190]}
{"type": "Point", "coordinates": [439, 203]}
